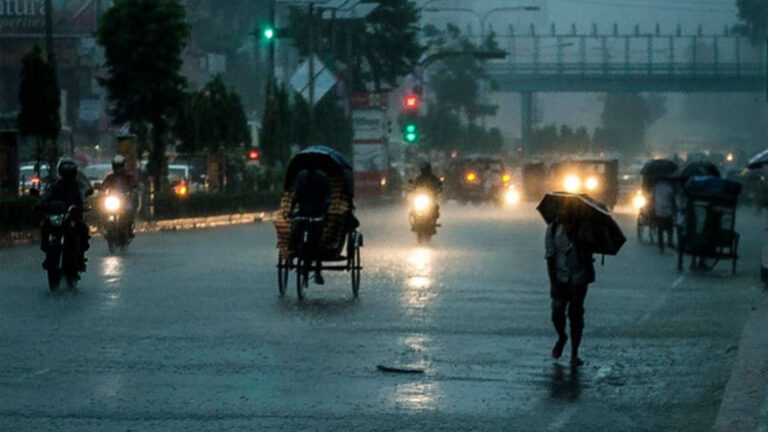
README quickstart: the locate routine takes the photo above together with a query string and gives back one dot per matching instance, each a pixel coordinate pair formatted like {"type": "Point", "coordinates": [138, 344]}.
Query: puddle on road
{"type": "Point", "coordinates": [418, 291]}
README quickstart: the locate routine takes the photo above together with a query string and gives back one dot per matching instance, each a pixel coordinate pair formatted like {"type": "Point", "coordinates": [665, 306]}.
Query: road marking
{"type": "Point", "coordinates": [661, 300]}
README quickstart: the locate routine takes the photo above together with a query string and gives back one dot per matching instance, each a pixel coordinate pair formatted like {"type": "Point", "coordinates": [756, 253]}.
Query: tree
{"type": "Point", "coordinates": [275, 137]}
{"type": "Point", "coordinates": [385, 45]}
{"type": "Point", "coordinates": [457, 84]}
{"type": "Point", "coordinates": [39, 100]}
{"type": "Point", "coordinates": [754, 17]}
{"type": "Point", "coordinates": [626, 118]}
{"type": "Point", "coordinates": [143, 41]}
{"type": "Point", "coordinates": [213, 120]}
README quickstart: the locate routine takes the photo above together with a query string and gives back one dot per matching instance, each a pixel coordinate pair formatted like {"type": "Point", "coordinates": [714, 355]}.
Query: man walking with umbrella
{"type": "Point", "coordinates": [577, 228]}
{"type": "Point", "coordinates": [570, 268]}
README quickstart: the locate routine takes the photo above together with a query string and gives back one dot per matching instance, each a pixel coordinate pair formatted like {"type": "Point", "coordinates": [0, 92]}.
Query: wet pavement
{"type": "Point", "coordinates": [186, 331]}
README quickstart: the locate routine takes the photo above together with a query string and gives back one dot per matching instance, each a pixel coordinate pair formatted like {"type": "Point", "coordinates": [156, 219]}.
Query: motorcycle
{"type": "Point", "coordinates": [116, 226]}
{"type": "Point", "coordinates": [424, 214]}
{"type": "Point", "coordinates": [63, 248]}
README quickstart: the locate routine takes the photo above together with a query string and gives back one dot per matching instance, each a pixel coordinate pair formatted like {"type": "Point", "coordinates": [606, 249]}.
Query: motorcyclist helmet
{"type": "Point", "coordinates": [67, 169]}
{"type": "Point", "coordinates": [118, 163]}
{"type": "Point", "coordinates": [426, 168]}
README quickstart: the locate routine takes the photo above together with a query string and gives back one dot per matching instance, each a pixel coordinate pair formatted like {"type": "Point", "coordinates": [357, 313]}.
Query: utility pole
{"type": "Point", "coordinates": [272, 42]}
{"type": "Point", "coordinates": [311, 81]}
{"type": "Point", "coordinates": [49, 30]}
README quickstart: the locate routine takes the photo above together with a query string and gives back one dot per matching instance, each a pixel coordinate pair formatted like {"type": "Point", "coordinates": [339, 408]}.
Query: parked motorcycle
{"type": "Point", "coordinates": [424, 214]}
{"type": "Point", "coordinates": [116, 225]}
{"type": "Point", "coordinates": [63, 244]}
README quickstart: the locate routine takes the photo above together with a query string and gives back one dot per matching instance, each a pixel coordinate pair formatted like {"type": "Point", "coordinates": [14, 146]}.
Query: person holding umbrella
{"type": "Point", "coordinates": [577, 228]}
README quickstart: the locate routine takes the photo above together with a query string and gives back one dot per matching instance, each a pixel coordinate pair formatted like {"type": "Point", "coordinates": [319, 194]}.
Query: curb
{"type": "Point", "coordinates": [745, 403]}
{"type": "Point", "coordinates": [182, 224]}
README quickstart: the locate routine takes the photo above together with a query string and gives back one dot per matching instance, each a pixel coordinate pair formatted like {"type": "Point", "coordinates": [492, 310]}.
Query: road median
{"type": "Point", "coordinates": [180, 224]}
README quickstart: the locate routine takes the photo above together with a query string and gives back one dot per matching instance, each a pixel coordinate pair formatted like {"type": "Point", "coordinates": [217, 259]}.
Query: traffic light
{"type": "Point", "coordinates": [411, 133]}
{"type": "Point", "coordinates": [411, 102]}
{"type": "Point", "coordinates": [269, 33]}
{"type": "Point", "coordinates": [254, 155]}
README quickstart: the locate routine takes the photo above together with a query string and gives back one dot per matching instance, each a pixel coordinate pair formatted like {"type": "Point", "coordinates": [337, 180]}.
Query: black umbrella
{"type": "Point", "coordinates": [597, 229]}
{"type": "Point", "coordinates": [698, 169]}
{"type": "Point", "coordinates": [659, 169]}
{"type": "Point", "coordinates": [759, 161]}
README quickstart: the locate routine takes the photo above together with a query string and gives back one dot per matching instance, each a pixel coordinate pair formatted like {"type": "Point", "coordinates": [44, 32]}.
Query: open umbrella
{"type": "Point", "coordinates": [598, 230]}
{"type": "Point", "coordinates": [759, 161]}
{"type": "Point", "coordinates": [659, 169]}
{"type": "Point", "coordinates": [697, 169]}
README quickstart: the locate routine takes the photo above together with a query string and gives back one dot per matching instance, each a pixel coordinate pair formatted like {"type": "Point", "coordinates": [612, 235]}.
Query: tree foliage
{"type": "Point", "coordinates": [754, 17]}
{"type": "Point", "coordinates": [276, 135]}
{"type": "Point", "coordinates": [143, 41]}
{"type": "Point", "coordinates": [39, 101]}
{"type": "Point", "coordinates": [212, 119]}
{"type": "Point", "coordinates": [39, 97]}
{"type": "Point", "coordinates": [626, 118]}
{"type": "Point", "coordinates": [551, 139]}
{"type": "Point", "coordinates": [456, 102]}
{"type": "Point", "coordinates": [385, 45]}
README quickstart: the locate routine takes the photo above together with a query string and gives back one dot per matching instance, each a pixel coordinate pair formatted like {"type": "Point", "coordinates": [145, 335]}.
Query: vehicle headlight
{"type": "Point", "coordinates": [591, 183]}
{"type": "Point", "coordinates": [512, 196]}
{"type": "Point", "coordinates": [639, 201]}
{"type": "Point", "coordinates": [421, 202]}
{"type": "Point", "coordinates": [112, 203]}
{"type": "Point", "coordinates": [506, 178]}
{"type": "Point", "coordinates": [470, 177]}
{"type": "Point", "coordinates": [572, 183]}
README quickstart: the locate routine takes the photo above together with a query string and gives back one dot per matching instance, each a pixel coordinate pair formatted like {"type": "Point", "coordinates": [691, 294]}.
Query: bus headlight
{"type": "Point", "coordinates": [572, 183]}
{"type": "Point", "coordinates": [512, 196]}
{"type": "Point", "coordinates": [591, 183]}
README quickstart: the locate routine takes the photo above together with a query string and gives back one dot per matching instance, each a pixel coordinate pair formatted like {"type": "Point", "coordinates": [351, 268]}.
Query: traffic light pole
{"type": "Point", "coordinates": [271, 48]}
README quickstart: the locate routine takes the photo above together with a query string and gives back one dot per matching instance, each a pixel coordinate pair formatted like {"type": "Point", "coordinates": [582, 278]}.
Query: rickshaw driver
{"type": "Point", "coordinates": [312, 195]}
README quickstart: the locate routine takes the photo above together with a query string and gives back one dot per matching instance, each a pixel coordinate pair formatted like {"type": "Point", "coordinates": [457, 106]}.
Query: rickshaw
{"type": "Point", "coordinates": [336, 246]}
{"type": "Point", "coordinates": [707, 231]}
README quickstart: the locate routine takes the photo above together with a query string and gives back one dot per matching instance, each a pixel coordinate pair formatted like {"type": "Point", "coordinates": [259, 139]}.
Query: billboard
{"type": "Point", "coordinates": [25, 18]}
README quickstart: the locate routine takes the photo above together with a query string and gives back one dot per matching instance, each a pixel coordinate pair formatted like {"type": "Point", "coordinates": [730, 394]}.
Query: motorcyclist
{"type": "Point", "coordinates": [427, 179]}
{"type": "Point", "coordinates": [67, 190]}
{"type": "Point", "coordinates": [122, 182]}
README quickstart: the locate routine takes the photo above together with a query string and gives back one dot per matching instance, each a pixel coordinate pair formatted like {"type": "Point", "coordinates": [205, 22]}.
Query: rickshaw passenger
{"type": "Point", "coordinates": [312, 195]}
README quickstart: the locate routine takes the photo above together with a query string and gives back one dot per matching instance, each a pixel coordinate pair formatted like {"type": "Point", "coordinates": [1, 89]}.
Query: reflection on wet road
{"type": "Point", "coordinates": [186, 331]}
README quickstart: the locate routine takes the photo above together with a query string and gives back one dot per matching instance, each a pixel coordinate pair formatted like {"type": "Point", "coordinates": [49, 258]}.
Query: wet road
{"type": "Point", "coordinates": [185, 331]}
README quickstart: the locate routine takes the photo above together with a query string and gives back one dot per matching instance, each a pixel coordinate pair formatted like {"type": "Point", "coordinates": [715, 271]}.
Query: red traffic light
{"type": "Point", "coordinates": [411, 101]}
{"type": "Point", "coordinates": [254, 155]}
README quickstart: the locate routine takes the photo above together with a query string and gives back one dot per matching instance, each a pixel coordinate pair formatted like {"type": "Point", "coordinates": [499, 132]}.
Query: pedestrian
{"type": "Point", "coordinates": [664, 211]}
{"type": "Point", "coordinates": [570, 268]}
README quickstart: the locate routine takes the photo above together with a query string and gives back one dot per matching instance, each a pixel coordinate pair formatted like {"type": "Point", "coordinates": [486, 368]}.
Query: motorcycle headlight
{"type": "Point", "coordinates": [112, 203]}
{"type": "Point", "coordinates": [592, 183]}
{"type": "Point", "coordinates": [639, 201]}
{"type": "Point", "coordinates": [512, 196]}
{"type": "Point", "coordinates": [572, 183]}
{"type": "Point", "coordinates": [421, 202]}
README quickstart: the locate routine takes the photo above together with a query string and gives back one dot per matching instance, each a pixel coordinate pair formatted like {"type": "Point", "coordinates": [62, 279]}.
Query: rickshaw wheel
{"type": "Point", "coordinates": [302, 277]}
{"type": "Point", "coordinates": [355, 268]}
{"type": "Point", "coordinates": [283, 270]}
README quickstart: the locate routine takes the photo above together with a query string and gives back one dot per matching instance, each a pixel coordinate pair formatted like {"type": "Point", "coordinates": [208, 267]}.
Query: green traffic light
{"type": "Point", "coordinates": [411, 133]}
{"type": "Point", "coordinates": [269, 33]}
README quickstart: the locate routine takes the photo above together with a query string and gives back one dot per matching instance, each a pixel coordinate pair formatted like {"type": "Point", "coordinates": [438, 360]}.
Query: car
{"type": "Point", "coordinates": [29, 180]}
{"type": "Point", "coordinates": [477, 179]}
